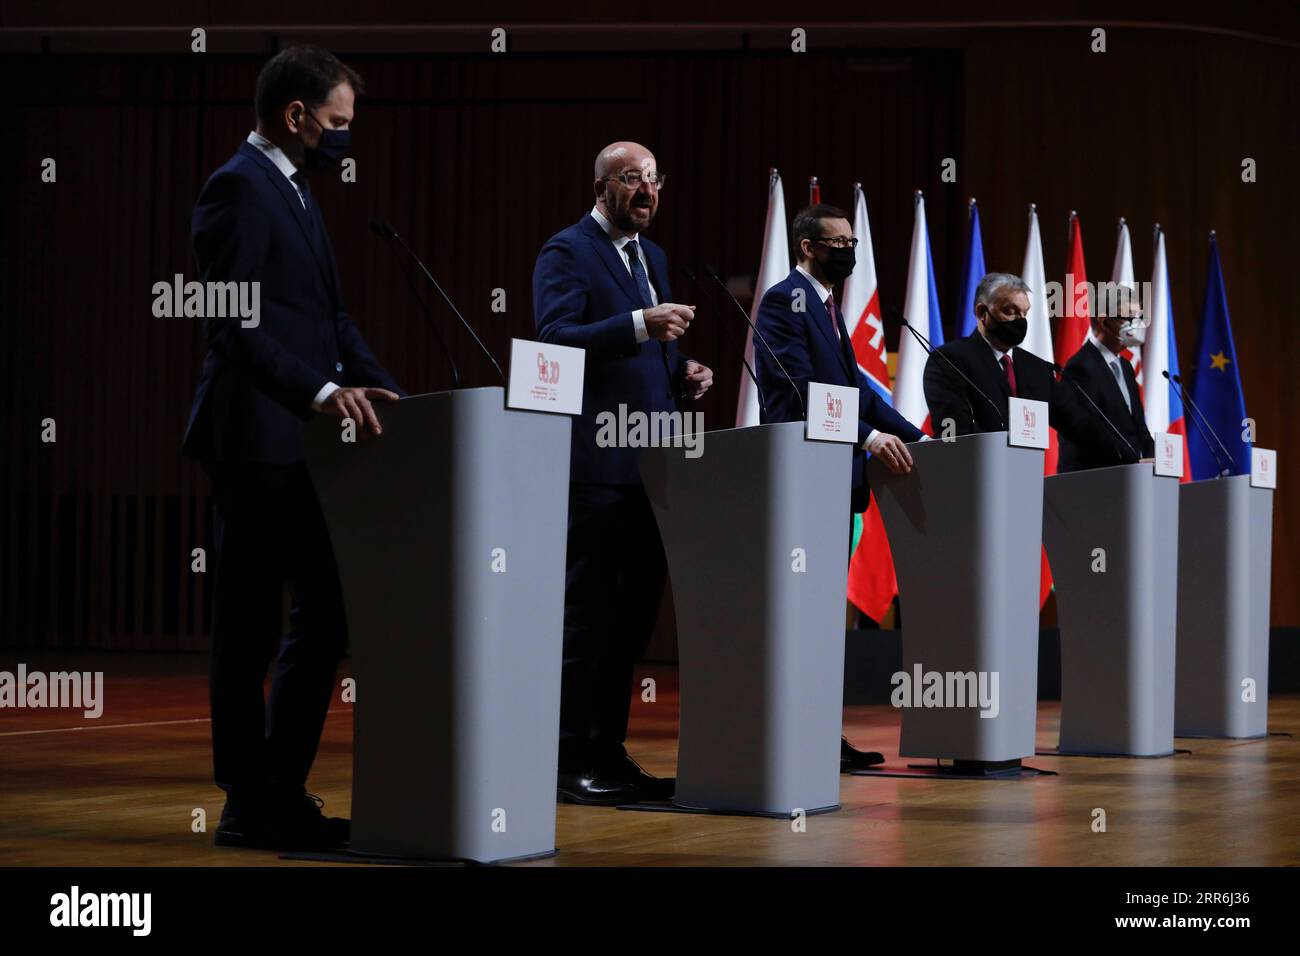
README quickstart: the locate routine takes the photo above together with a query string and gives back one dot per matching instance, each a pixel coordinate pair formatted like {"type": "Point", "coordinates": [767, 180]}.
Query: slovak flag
{"type": "Point", "coordinates": [921, 308]}
{"type": "Point", "coordinates": [872, 583]}
{"type": "Point", "coordinates": [1164, 406]}
{"type": "Point", "coordinates": [772, 268]}
{"type": "Point", "coordinates": [861, 304]}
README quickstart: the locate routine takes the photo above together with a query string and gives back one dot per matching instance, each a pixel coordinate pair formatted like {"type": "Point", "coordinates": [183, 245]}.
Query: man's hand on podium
{"type": "Point", "coordinates": [698, 378]}
{"type": "Point", "coordinates": [355, 403]}
{"type": "Point", "coordinates": [891, 450]}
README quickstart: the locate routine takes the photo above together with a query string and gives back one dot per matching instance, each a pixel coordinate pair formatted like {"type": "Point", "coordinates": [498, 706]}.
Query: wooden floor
{"type": "Point", "coordinates": [122, 791]}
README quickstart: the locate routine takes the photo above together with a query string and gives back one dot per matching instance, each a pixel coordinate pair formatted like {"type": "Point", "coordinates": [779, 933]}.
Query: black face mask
{"type": "Point", "coordinates": [838, 264]}
{"type": "Point", "coordinates": [1009, 334]}
{"type": "Point", "coordinates": [332, 147]}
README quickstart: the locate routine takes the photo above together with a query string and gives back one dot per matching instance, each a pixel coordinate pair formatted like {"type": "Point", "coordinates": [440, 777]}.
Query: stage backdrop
{"type": "Point", "coordinates": [477, 159]}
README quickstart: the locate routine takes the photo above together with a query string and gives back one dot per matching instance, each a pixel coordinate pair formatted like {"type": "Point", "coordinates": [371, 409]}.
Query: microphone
{"type": "Point", "coordinates": [388, 232]}
{"type": "Point", "coordinates": [712, 273]}
{"type": "Point", "coordinates": [757, 388]}
{"type": "Point", "coordinates": [931, 350]}
{"type": "Point", "coordinates": [378, 228]}
{"type": "Point", "coordinates": [1224, 460]}
{"type": "Point", "coordinates": [1079, 388]}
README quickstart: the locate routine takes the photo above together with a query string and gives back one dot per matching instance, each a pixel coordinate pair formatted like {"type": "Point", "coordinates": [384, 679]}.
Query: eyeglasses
{"type": "Point", "coordinates": [633, 179]}
{"type": "Point", "coordinates": [837, 242]}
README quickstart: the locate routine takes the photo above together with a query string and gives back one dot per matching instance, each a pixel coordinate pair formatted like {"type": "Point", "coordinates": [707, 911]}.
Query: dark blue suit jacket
{"type": "Point", "coordinates": [257, 384]}
{"type": "Point", "coordinates": [584, 296]}
{"type": "Point", "coordinates": [807, 347]}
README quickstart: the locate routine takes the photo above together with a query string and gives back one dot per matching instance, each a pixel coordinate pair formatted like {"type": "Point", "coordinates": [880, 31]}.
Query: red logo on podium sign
{"type": "Point", "coordinates": [1030, 418]}
{"type": "Point", "coordinates": [834, 406]}
{"type": "Point", "coordinates": [547, 372]}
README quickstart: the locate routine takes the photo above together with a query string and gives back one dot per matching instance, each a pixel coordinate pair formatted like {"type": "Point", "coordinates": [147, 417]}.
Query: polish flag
{"type": "Point", "coordinates": [921, 308]}
{"type": "Point", "coordinates": [1039, 341]}
{"type": "Point", "coordinates": [872, 582]}
{"type": "Point", "coordinates": [772, 268]}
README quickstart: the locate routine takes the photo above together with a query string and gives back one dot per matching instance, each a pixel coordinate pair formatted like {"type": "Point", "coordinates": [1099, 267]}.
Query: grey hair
{"type": "Point", "coordinates": [995, 282]}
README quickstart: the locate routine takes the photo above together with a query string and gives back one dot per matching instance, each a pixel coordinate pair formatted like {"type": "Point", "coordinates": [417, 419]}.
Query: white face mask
{"type": "Point", "coordinates": [1132, 332]}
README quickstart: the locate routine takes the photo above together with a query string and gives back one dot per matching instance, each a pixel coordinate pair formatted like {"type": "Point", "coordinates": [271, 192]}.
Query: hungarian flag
{"type": "Point", "coordinates": [1216, 385]}
{"type": "Point", "coordinates": [772, 268]}
{"type": "Point", "coordinates": [1072, 330]}
{"type": "Point", "coordinates": [872, 584]}
{"type": "Point", "coordinates": [1121, 274]}
{"type": "Point", "coordinates": [814, 191]}
{"type": "Point", "coordinates": [921, 309]}
{"type": "Point", "coordinates": [1039, 341]}
{"type": "Point", "coordinates": [972, 270]}
{"type": "Point", "coordinates": [1164, 406]}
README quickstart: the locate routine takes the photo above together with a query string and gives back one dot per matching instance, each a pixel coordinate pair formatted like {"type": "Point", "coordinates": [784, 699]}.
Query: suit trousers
{"type": "Point", "coordinates": [614, 584]}
{"type": "Point", "coordinates": [269, 533]}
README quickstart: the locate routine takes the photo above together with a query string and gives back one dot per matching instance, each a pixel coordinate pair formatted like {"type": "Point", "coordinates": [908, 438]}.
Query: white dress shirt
{"type": "Point", "coordinates": [638, 316]}
{"type": "Point", "coordinates": [1114, 367]}
{"type": "Point", "coordinates": [286, 166]}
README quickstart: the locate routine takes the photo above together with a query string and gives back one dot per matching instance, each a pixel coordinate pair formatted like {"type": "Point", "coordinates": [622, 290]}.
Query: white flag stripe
{"type": "Point", "coordinates": [772, 268]}
{"type": "Point", "coordinates": [909, 375]}
{"type": "Point", "coordinates": [1039, 338]}
{"type": "Point", "coordinates": [1156, 350]}
{"type": "Point", "coordinates": [1121, 274]}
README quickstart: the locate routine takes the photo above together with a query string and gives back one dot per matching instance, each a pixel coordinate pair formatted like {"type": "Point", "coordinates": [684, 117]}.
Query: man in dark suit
{"type": "Point", "coordinates": [989, 358]}
{"type": "Point", "coordinates": [804, 328]}
{"type": "Point", "coordinates": [256, 221]}
{"type": "Point", "coordinates": [599, 285]}
{"type": "Point", "coordinates": [1107, 377]}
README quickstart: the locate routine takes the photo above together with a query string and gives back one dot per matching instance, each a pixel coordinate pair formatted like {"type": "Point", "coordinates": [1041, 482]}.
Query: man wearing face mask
{"type": "Point", "coordinates": [1101, 370]}
{"type": "Point", "coordinates": [801, 321]}
{"type": "Point", "coordinates": [257, 221]}
{"type": "Point", "coordinates": [991, 359]}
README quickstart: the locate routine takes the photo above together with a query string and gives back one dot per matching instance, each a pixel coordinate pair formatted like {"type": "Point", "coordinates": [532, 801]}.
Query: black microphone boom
{"type": "Point", "coordinates": [931, 350]}
{"type": "Point", "coordinates": [712, 273]}
{"type": "Point", "coordinates": [424, 306]}
{"type": "Point", "coordinates": [389, 232]}
{"type": "Point", "coordinates": [758, 389]}
{"type": "Point", "coordinates": [1225, 461]}
{"type": "Point", "coordinates": [1106, 418]}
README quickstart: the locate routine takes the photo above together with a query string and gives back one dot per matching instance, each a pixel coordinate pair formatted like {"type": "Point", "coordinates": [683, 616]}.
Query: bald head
{"type": "Point", "coordinates": [629, 208]}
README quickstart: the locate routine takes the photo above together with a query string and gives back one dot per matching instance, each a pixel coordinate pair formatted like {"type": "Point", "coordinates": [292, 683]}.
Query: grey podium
{"type": "Point", "coordinates": [1112, 538]}
{"type": "Point", "coordinates": [756, 531]}
{"type": "Point", "coordinates": [965, 529]}
{"type": "Point", "coordinates": [1225, 547]}
{"type": "Point", "coordinates": [449, 533]}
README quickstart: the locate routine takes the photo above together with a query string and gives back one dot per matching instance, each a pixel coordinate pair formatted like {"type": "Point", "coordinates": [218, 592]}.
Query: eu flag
{"type": "Point", "coordinates": [1216, 387]}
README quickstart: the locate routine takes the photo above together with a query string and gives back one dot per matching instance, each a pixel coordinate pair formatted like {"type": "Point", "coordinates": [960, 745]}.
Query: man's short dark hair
{"type": "Point", "coordinates": [304, 73]}
{"type": "Point", "coordinates": [808, 224]}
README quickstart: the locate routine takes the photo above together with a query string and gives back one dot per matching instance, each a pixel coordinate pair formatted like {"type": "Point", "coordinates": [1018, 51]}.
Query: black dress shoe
{"type": "Point", "coordinates": [853, 759]}
{"type": "Point", "coordinates": [650, 787]}
{"type": "Point", "coordinates": [594, 789]}
{"type": "Point", "coordinates": [290, 822]}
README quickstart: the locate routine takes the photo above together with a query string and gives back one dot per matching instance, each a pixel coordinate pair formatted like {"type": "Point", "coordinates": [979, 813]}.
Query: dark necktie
{"type": "Point", "coordinates": [835, 322]}
{"type": "Point", "coordinates": [309, 206]}
{"type": "Point", "coordinates": [638, 274]}
{"type": "Point", "coordinates": [1011, 372]}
